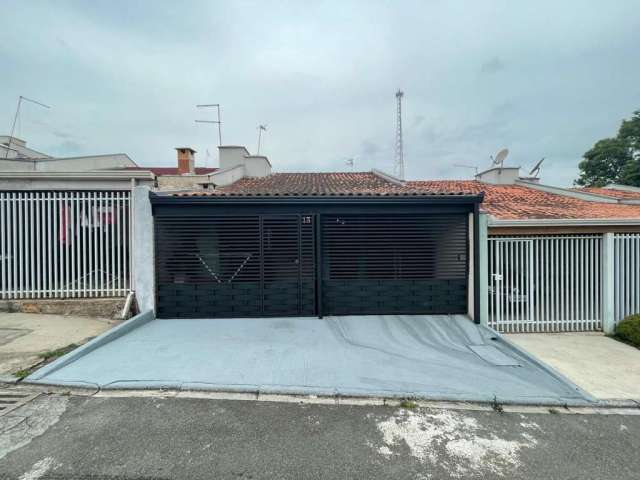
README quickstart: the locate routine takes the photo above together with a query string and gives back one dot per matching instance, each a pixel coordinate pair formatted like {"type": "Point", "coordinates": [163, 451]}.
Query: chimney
{"type": "Point", "coordinates": [186, 162]}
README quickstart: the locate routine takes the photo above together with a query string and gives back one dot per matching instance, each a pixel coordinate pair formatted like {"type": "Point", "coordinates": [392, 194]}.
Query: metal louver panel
{"type": "Point", "coordinates": [394, 264]}
{"type": "Point", "coordinates": [234, 266]}
{"type": "Point", "coordinates": [288, 273]}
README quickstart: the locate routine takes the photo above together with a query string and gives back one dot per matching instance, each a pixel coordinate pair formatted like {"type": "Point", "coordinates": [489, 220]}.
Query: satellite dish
{"type": "Point", "coordinates": [500, 156]}
{"type": "Point", "coordinates": [536, 170]}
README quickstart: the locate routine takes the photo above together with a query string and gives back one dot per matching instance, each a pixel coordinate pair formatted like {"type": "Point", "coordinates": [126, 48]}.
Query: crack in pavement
{"type": "Point", "coordinates": [29, 421]}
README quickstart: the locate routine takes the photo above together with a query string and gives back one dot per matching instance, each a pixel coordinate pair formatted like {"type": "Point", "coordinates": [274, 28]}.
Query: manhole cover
{"type": "Point", "coordinates": [12, 399]}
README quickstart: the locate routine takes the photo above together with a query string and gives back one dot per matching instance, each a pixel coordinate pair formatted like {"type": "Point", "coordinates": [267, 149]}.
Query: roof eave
{"type": "Point", "coordinates": [573, 222]}
{"type": "Point", "coordinates": [161, 198]}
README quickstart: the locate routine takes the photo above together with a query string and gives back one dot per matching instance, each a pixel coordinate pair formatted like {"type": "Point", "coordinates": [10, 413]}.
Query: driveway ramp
{"type": "Point", "coordinates": [433, 357]}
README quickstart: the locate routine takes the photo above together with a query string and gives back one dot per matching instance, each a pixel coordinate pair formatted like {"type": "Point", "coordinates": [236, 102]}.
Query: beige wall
{"type": "Point", "coordinates": [181, 182]}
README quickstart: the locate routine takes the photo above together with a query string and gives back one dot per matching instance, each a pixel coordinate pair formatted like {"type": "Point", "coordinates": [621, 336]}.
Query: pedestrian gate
{"type": "Point", "coordinates": [545, 283]}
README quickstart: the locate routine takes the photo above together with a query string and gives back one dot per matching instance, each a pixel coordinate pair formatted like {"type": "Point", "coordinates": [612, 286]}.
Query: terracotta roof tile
{"type": "Point", "coordinates": [611, 192]}
{"type": "Point", "coordinates": [507, 202]}
{"type": "Point", "coordinates": [516, 202]}
{"type": "Point", "coordinates": [319, 184]}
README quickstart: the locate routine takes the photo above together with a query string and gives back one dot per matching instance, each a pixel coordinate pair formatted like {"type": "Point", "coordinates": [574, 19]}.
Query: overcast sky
{"type": "Point", "coordinates": [545, 79]}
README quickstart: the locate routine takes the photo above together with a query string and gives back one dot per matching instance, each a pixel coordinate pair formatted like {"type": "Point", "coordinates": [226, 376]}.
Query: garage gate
{"type": "Point", "coordinates": [308, 264]}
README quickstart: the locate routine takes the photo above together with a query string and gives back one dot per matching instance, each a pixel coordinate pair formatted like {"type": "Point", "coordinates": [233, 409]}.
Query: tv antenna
{"type": "Point", "coordinates": [475, 168]}
{"type": "Point", "coordinates": [351, 162]}
{"type": "Point", "coordinates": [535, 171]}
{"type": "Point", "coordinates": [15, 119]}
{"type": "Point", "coordinates": [498, 161]}
{"type": "Point", "coordinates": [261, 128]}
{"type": "Point", "coordinates": [219, 121]}
{"type": "Point", "coordinates": [398, 166]}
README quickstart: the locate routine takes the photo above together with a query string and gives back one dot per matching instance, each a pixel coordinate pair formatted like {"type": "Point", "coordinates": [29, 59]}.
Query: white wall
{"type": "Point", "coordinates": [227, 176]}
{"type": "Point", "coordinates": [71, 164]}
{"type": "Point", "coordinates": [499, 176]}
{"type": "Point", "coordinates": [254, 165]}
{"type": "Point", "coordinates": [143, 250]}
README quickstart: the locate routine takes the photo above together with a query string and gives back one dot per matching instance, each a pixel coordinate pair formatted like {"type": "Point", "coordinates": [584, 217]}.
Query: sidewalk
{"type": "Point", "coordinates": [23, 336]}
{"type": "Point", "coordinates": [604, 367]}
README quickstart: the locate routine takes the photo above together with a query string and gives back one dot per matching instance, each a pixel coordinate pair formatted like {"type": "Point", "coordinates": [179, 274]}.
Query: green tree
{"type": "Point", "coordinates": [614, 160]}
{"type": "Point", "coordinates": [630, 132]}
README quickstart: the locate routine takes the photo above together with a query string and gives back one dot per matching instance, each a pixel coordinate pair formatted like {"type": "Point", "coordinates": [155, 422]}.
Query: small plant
{"type": "Point", "coordinates": [46, 357]}
{"type": "Point", "coordinates": [22, 374]}
{"type": "Point", "coordinates": [628, 330]}
{"type": "Point", "coordinates": [408, 404]}
{"type": "Point", "coordinates": [496, 406]}
{"type": "Point", "coordinates": [53, 354]}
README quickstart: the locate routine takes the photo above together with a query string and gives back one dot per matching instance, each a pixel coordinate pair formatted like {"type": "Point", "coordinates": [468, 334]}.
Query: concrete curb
{"type": "Point", "coordinates": [8, 378]}
{"type": "Point", "coordinates": [320, 392]}
{"type": "Point", "coordinates": [539, 363]}
{"type": "Point", "coordinates": [90, 346]}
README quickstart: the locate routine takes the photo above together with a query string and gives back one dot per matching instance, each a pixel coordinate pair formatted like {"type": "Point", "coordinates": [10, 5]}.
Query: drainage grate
{"type": "Point", "coordinates": [12, 399]}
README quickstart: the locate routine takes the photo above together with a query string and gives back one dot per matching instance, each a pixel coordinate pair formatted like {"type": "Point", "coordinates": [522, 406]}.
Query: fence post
{"type": "Point", "coordinates": [143, 249]}
{"type": "Point", "coordinates": [483, 270]}
{"type": "Point", "coordinates": [608, 275]}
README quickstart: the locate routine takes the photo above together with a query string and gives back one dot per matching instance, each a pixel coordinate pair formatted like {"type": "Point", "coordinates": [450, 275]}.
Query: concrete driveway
{"type": "Point", "coordinates": [437, 357]}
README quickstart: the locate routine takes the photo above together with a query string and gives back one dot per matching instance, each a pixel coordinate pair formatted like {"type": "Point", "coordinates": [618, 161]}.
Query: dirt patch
{"type": "Point", "coordinates": [88, 307]}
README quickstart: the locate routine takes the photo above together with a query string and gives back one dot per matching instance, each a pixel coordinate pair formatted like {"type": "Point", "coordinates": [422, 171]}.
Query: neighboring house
{"type": "Point", "coordinates": [65, 223]}
{"type": "Point", "coordinates": [12, 147]}
{"type": "Point", "coordinates": [235, 163]}
{"type": "Point", "coordinates": [558, 259]}
{"type": "Point", "coordinates": [16, 157]}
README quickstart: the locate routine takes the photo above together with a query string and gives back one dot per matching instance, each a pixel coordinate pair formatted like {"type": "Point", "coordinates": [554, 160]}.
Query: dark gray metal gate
{"type": "Point", "coordinates": [394, 264]}
{"type": "Point", "coordinates": [235, 266]}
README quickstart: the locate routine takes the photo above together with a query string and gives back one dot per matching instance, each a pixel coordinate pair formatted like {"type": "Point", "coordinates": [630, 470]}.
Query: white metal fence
{"type": "Point", "coordinates": [64, 244]}
{"type": "Point", "coordinates": [545, 283]}
{"type": "Point", "coordinates": [626, 275]}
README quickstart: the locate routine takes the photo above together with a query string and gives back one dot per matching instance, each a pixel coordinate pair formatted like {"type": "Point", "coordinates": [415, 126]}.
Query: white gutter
{"type": "Point", "coordinates": [588, 197]}
{"type": "Point", "coordinates": [388, 177]}
{"type": "Point", "coordinates": [562, 222]}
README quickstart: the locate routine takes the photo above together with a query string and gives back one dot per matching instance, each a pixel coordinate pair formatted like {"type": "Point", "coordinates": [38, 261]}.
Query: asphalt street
{"type": "Point", "coordinates": [78, 437]}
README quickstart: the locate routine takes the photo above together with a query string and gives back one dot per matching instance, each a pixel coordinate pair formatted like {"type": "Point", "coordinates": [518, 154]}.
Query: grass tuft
{"type": "Point", "coordinates": [47, 357]}
{"type": "Point", "coordinates": [53, 354]}
{"type": "Point", "coordinates": [408, 404]}
{"type": "Point", "coordinates": [22, 374]}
